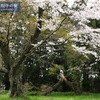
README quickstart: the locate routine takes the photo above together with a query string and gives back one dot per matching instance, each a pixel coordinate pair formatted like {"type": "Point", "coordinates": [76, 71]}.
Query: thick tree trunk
{"type": "Point", "coordinates": [49, 90]}
{"type": "Point", "coordinates": [16, 82]}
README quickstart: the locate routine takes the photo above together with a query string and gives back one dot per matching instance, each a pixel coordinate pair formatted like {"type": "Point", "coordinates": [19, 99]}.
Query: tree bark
{"type": "Point", "coordinates": [16, 82]}
{"type": "Point", "coordinates": [49, 90]}
{"type": "Point", "coordinates": [67, 82]}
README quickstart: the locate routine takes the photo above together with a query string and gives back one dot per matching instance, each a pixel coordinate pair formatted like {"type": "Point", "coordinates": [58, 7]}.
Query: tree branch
{"type": "Point", "coordinates": [45, 40]}
{"type": "Point", "coordinates": [3, 70]}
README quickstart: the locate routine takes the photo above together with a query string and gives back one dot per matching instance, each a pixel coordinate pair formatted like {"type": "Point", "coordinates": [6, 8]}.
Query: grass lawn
{"type": "Point", "coordinates": [56, 96]}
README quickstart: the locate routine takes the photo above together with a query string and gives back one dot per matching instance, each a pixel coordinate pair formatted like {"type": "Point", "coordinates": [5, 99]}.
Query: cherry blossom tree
{"type": "Point", "coordinates": [81, 12]}
{"type": "Point", "coordinates": [56, 12]}
{"type": "Point", "coordinates": [82, 32]}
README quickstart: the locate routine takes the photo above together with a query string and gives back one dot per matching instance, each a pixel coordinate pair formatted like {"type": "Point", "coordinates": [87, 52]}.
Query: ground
{"type": "Point", "coordinates": [56, 96]}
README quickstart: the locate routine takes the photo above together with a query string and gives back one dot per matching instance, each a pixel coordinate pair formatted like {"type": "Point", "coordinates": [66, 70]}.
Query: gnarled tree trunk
{"type": "Point", "coordinates": [16, 82]}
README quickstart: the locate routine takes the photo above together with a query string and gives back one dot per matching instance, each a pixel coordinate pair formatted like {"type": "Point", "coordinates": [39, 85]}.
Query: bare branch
{"type": "Point", "coordinates": [34, 48]}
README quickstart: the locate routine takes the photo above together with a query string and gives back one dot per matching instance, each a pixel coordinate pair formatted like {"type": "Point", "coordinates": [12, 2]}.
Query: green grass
{"type": "Point", "coordinates": [56, 96]}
